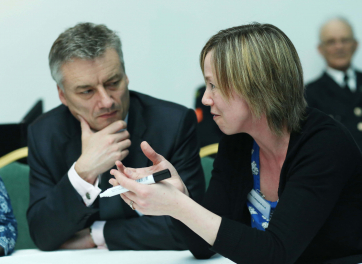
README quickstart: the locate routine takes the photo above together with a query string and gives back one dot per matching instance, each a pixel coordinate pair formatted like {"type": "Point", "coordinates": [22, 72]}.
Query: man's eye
{"type": "Point", "coordinates": [113, 83]}
{"type": "Point", "coordinates": [86, 92]}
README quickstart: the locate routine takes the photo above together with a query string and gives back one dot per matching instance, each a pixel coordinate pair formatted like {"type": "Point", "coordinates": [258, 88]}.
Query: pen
{"type": "Point", "coordinates": [153, 178]}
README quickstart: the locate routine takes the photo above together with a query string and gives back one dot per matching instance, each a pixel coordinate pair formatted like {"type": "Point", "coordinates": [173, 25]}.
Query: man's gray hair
{"type": "Point", "coordinates": [84, 41]}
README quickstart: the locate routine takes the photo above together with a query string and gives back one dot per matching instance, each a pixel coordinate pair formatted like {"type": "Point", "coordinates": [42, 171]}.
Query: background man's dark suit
{"type": "Point", "coordinates": [56, 211]}
{"type": "Point", "coordinates": [345, 106]}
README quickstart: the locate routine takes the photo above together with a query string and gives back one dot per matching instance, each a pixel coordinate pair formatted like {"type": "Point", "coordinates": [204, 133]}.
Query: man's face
{"type": "Point", "coordinates": [96, 89]}
{"type": "Point", "coordinates": [337, 45]}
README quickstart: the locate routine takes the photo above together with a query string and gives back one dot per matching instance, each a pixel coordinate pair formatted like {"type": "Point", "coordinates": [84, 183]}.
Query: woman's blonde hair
{"type": "Point", "coordinates": [260, 63]}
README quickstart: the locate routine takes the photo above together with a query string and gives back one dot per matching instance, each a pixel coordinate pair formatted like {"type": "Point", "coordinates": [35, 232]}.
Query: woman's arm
{"type": "Point", "coordinates": [169, 197]}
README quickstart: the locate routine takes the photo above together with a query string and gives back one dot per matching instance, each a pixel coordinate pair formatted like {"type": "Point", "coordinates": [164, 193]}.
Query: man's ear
{"type": "Point", "coordinates": [320, 49]}
{"type": "Point", "coordinates": [355, 46]}
{"type": "Point", "coordinates": [62, 96]}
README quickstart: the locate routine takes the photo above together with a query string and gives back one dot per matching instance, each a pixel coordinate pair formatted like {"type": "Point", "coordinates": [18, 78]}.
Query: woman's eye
{"type": "Point", "coordinates": [212, 86]}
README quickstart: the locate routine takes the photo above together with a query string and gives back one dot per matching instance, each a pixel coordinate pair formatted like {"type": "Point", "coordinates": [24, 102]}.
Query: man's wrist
{"type": "Point", "coordinates": [84, 174]}
{"type": "Point", "coordinates": [87, 191]}
{"type": "Point", "coordinates": [96, 231]}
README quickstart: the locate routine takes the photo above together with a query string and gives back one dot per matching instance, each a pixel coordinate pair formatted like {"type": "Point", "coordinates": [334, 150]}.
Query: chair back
{"type": "Point", "coordinates": [13, 156]}
{"type": "Point", "coordinates": [207, 166]}
{"type": "Point", "coordinates": [207, 160]}
{"type": "Point", "coordinates": [16, 179]}
{"type": "Point", "coordinates": [209, 150]}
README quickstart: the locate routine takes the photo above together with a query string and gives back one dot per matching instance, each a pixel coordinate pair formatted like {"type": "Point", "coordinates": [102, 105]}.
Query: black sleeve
{"type": "Point", "coordinates": [56, 211]}
{"type": "Point", "coordinates": [316, 178]}
{"type": "Point", "coordinates": [158, 232]}
{"type": "Point", "coordinates": [315, 182]}
{"type": "Point", "coordinates": [217, 200]}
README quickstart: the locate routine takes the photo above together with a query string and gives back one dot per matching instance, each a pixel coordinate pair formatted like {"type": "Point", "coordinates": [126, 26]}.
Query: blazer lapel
{"type": "Point", "coordinates": [114, 207]}
{"type": "Point", "coordinates": [359, 87]}
{"type": "Point", "coordinates": [137, 128]}
{"type": "Point", "coordinates": [74, 143]}
{"type": "Point", "coordinates": [336, 91]}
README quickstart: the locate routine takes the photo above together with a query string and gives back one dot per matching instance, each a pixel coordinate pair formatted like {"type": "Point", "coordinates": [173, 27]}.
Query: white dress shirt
{"type": "Point", "coordinates": [338, 77]}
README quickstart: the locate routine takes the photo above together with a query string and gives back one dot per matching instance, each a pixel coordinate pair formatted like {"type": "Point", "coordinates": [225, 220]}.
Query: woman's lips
{"type": "Point", "coordinates": [214, 115]}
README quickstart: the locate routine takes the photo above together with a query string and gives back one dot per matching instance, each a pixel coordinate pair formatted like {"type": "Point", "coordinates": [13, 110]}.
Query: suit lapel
{"type": "Point", "coordinates": [74, 143]}
{"type": "Point", "coordinates": [336, 91]}
{"type": "Point", "coordinates": [137, 128]}
{"type": "Point", "coordinates": [359, 81]}
{"type": "Point", "coordinates": [114, 207]}
{"type": "Point", "coordinates": [359, 87]}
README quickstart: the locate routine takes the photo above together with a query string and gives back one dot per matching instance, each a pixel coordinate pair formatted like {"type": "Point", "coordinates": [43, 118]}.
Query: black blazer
{"type": "Point", "coordinates": [326, 95]}
{"type": "Point", "coordinates": [320, 200]}
{"type": "Point", "coordinates": [56, 211]}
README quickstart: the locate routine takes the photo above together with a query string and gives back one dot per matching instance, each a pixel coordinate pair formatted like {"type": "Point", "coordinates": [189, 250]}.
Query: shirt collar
{"type": "Point", "coordinates": [338, 77]}
{"type": "Point", "coordinates": [125, 120]}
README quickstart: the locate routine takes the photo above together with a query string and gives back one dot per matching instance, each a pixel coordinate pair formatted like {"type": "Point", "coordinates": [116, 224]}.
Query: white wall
{"type": "Point", "coordinates": [161, 39]}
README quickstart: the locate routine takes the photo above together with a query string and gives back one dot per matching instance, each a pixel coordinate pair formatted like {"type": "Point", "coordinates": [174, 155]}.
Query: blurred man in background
{"type": "Point", "coordinates": [338, 92]}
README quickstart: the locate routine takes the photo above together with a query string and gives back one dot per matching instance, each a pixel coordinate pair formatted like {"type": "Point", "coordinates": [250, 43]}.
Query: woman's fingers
{"type": "Point", "coordinates": [127, 183]}
{"type": "Point", "coordinates": [150, 153]}
{"type": "Point", "coordinates": [120, 166]}
{"type": "Point", "coordinates": [128, 197]}
{"type": "Point", "coordinates": [113, 182]}
{"type": "Point", "coordinates": [125, 198]}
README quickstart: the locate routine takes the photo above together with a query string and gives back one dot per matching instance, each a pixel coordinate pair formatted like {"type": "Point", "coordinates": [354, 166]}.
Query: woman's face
{"type": "Point", "coordinates": [232, 116]}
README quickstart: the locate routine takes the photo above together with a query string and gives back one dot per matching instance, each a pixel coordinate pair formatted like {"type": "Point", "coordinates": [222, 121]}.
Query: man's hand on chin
{"type": "Point", "coordinates": [101, 149]}
{"type": "Point", "coordinates": [81, 240]}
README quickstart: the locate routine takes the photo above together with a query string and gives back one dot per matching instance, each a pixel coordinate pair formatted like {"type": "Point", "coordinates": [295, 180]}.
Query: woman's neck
{"type": "Point", "coordinates": [273, 147]}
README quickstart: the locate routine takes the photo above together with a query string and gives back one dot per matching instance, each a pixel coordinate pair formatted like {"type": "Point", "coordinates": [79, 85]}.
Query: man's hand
{"type": "Point", "coordinates": [101, 149]}
{"type": "Point", "coordinates": [81, 240]}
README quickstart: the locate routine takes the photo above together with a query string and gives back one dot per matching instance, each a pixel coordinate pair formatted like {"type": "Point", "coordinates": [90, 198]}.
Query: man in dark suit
{"type": "Point", "coordinates": [338, 92]}
{"type": "Point", "coordinates": [73, 147]}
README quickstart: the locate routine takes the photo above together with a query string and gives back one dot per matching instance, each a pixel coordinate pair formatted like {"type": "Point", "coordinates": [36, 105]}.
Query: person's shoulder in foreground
{"type": "Point", "coordinates": [8, 224]}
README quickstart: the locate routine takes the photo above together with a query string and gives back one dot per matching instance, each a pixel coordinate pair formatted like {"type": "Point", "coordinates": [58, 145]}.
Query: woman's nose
{"type": "Point", "coordinates": [206, 98]}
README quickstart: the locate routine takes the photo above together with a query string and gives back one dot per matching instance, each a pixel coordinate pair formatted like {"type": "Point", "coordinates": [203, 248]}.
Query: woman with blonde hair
{"type": "Point", "coordinates": [287, 181]}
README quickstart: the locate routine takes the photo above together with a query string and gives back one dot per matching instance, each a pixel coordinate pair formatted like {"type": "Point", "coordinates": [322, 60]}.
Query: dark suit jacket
{"type": "Point", "coordinates": [56, 211]}
{"type": "Point", "coordinates": [320, 200]}
{"type": "Point", "coordinates": [326, 95]}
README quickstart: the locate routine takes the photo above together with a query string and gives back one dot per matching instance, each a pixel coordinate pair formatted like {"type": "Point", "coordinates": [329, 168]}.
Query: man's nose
{"type": "Point", "coordinates": [206, 99]}
{"type": "Point", "coordinates": [339, 45]}
{"type": "Point", "coordinates": [105, 100]}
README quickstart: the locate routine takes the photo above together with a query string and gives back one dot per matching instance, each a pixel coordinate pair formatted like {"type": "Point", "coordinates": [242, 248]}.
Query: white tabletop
{"type": "Point", "coordinates": [104, 256]}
